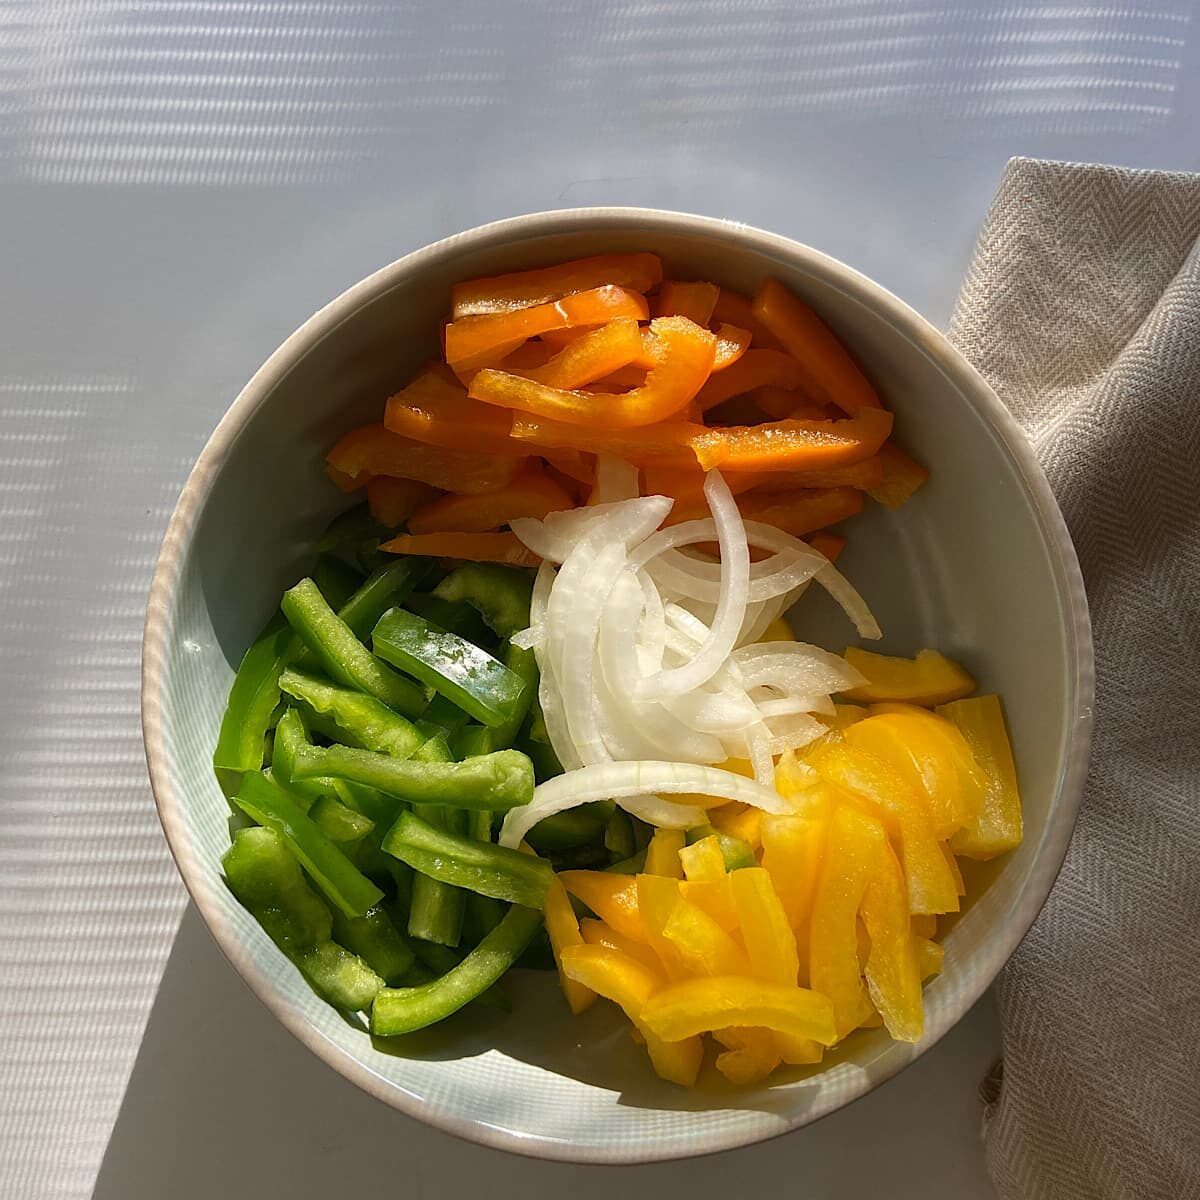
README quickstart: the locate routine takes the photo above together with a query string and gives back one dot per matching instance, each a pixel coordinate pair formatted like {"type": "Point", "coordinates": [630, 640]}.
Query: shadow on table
{"type": "Point", "coordinates": [223, 1101]}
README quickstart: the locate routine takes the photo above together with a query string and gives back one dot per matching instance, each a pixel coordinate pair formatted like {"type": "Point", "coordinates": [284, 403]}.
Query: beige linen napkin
{"type": "Point", "coordinates": [1082, 309]}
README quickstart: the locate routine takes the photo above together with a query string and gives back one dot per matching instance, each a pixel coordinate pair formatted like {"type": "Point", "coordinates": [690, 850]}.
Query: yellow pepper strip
{"type": "Point", "coordinates": [702, 860]}
{"type": "Point", "coordinates": [793, 778]}
{"type": "Point", "coordinates": [917, 749]}
{"type": "Point", "coordinates": [699, 1005]}
{"type": "Point", "coordinates": [953, 867]}
{"type": "Point", "coordinates": [778, 631]}
{"type": "Point", "coordinates": [844, 715]}
{"type": "Point", "coordinates": [892, 971]}
{"type": "Point", "coordinates": [657, 897]}
{"type": "Point", "coordinates": [931, 886]}
{"type": "Point", "coordinates": [924, 925]}
{"type": "Point", "coordinates": [750, 1055]}
{"type": "Point", "coordinates": [997, 827]}
{"type": "Point", "coordinates": [715, 897]}
{"type": "Point", "coordinates": [929, 957]}
{"type": "Point", "coordinates": [852, 857]}
{"type": "Point", "coordinates": [703, 946]}
{"type": "Point", "coordinates": [740, 821]}
{"type": "Point", "coordinates": [662, 855]}
{"type": "Point", "coordinates": [632, 986]}
{"type": "Point", "coordinates": [600, 933]}
{"type": "Point", "coordinates": [928, 679]}
{"type": "Point", "coordinates": [766, 932]}
{"type": "Point", "coordinates": [613, 898]}
{"type": "Point", "coordinates": [798, 1051]}
{"type": "Point", "coordinates": [792, 851]}
{"type": "Point", "coordinates": [563, 929]}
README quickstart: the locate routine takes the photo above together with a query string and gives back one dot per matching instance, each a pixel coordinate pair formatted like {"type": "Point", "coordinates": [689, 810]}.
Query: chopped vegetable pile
{"type": "Point", "coordinates": [536, 704]}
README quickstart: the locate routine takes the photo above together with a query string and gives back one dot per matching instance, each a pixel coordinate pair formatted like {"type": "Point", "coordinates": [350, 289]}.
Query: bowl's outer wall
{"type": "Point", "coordinates": [969, 566]}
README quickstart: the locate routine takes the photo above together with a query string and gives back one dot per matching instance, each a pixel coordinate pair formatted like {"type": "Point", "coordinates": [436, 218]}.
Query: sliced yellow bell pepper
{"type": "Point", "coordinates": [702, 860]}
{"type": "Point", "coordinates": [563, 929]}
{"type": "Point", "coordinates": [931, 887]}
{"type": "Point", "coordinates": [794, 778]}
{"type": "Point", "coordinates": [844, 715]}
{"type": "Point", "coordinates": [766, 932]}
{"type": "Point", "coordinates": [798, 1051]}
{"type": "Point", "coordinates": [600, 933]}
{"type": "Point", "coordinates": [793, 848]}
{"type": "Point", "coordinates": [924, 925]}
{"type": "Point", "coordinates": [612, 897]}
{"type": "Point", "coordinates": [997, 828]}
{"type": "Point", "coordinates": [750, 1055]}
{"type": "Point", "coordinates": [632, 986]}
{"type": "Point", "coordinates": [657, 897]}
{"type": "Point", "coordinates": [954, 869]}
{"type": "Point", "coordinates": [778, 631]}
{"type": "Point", "coordinates": [662, 855]}
{"type": "Point", "coordinates": [702, 945]}
{"type": "Point", "coordinates": [739, 820]}
{"type": "Point", "coordinates": [929, 957]}
{"type": "Point", "coordinates": [697, 1006]}
{"type": "Point", "coordinates": [715, 897]}
{"type": "Point", "coordinates": [892, 971]}
{"type": "Point", "coordinates": [928, 679]}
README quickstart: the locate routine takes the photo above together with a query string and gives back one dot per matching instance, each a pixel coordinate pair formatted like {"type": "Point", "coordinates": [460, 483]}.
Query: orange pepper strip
{"type": "Point", "coordinates": [523, 289]}
{"type": "Point", "coordinates": [682, 367]}
{"type": "Point", "coordinates": [600, 933]}
{"type": "Point", "coordinates": [736, 309]}
{"type": "Point", "coordinates": [632, 986]}
{"type": "Point", "coordinates": [470, 547]}
{"type": "Point", "coordinates": [573, 464]}
{"type": "Point", "coordinates": [666, 444]}
{"type": "Point", "coordinates": [531, 494]}
{"type": "Point", "coordinates": [780, 402]}
{"type": "Point", "coordinates": [527, 355]}
{"type": "Point", "coordinates": [686, 484]}
{"type": "Point", "coordinates": [613, 898]}
{"type": "Point", "coordinates": [861, 475]}
{"type": "Point", "coordinates": [794, 445]}
{"type": "Point", "coordinates": [556, 339]}
{"type": "Point", "coordinates": [754, 369]}
{"type": "Point", "coordinates": [476, 342]}
{"type": "Point", "coordinates": [814, 344]}
{"type": "Point", "coordinates": [393, 501]}
{"type": "Point", "coordinates": [796, 512]}
{"type": "Point", "coordinates": [902, 477]}
{"type": "Point", "coordinates": [732, 343]}
{"type": "Point", "coordinates": [440, 413]}
{"type": "Point", "coordinates": [697, 1006]}
{"type": "Point", "coordinates": [346, 483]}
{"type": "Point", "coordinates": [829, 544]}
{"type": "Point", "coordinates": [590, 357]}
{"type": "Point", "coordinates": [695, 301]}
{"type": "Point", "coordinates": [564, 931]}
{"type": "Point", "coordinates": [374, 450]}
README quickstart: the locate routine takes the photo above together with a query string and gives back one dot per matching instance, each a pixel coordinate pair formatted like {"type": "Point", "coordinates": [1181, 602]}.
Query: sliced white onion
{"type": "Point", "coordinates": [615, 480]}
{"type": "Point", "coordinates": [559, 534]}
{"type": "Point", "coordinates": [527, 639]}
{"type": "Point", "coordinates": [618, 780]}
{"type": "Point", "coordinates": [664, 814]}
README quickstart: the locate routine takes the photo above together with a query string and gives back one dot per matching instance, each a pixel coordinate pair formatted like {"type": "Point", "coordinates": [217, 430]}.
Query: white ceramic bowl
{"type": "Point", "coordinates": [979, 564]}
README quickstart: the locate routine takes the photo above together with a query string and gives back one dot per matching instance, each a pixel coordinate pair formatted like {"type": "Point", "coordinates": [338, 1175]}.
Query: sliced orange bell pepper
{"type": "Point", "coordinates": [778, 402]}
{"type": "Point", "coordinates": [702, 860]}
{"type": "Point", "coordinates": [600, 933]}
{"type": "Point", "coordinates": [811, 341]}
{"type": "Point", "coordinates": [573, 464]}
{"type": "Point", "coordinates": [664, 444]}
{"type": "Point", "coordinates": [530, 354]}
{"type": "Point", "coordinates": [859, 475]}
{"type": "Point", "coordinates": [588, 358]}
{"type": "Point", "coordinates": [902, 477]}
{"type": "Point", "coordinates": [374, 450]}
{"type": "Point", "coordinates": [732, 344]}
{"type": "Point", "coordinates": [523, 289]}
{"type": "Point", "coordinates": [678, 374]}
{"type": "Point", "coordinates": [829, 544]}
{"type": "Point", "coordinates": [476, 342]}
{"type": "Point", "coordinates": [803, 511]}
{"type": "Point", "coordinates": [530, 494]}
{"type": "Point", "coordinates": [632, 986]}
{"type": "Point", "coordinates": [794, 445]}
{"type": "Point", "coordinates": [686, 484]}
{"type": "Point", "coordinates": [702, 945]}
{"type": "Point", "coordinates": [997, 827]}
{"type": "Point", "coordinates": [613, 898]}
{"type": "Point", "coordinates": [563, 930]}
{"type": "Point", "coordinates": [892, 969]}
{"type": "Point", "coordinates": [439, 412]}
{"type": "Point", "coordinates": [715, 897]}
{"type": "Point", "coordinates": [470, 547]}
{"type": "Point", "coordinates": [695, 301]}
{"type": "Point", "coordinates": [928, 679]}
{"type": "Point", "coordinates": [931, 887]}
{"type": "Point", "coordinates": [755, 369]}
{"type": "Point", "coordinates": [736, 309]}
{"type": "Point", "coordinates": [750, 1055]}
{"type": "Point", "coordinates": [662, 854]}
{"type": "Point", "coordinates": [696, 1006]}
{"type": "Point", "coordinates": [392, 501]}
{"type": "Point", "coordinates": [766, 932]}
{"type": "Point", "coordinates": [346, 483]}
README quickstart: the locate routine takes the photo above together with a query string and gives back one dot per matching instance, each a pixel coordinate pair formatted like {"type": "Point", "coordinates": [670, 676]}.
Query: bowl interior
{"type": "Point", "coordinates": [974, 565]}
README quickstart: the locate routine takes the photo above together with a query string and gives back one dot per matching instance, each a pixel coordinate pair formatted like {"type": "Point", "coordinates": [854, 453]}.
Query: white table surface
{"type": "Point", "coordinates": [182, 182]}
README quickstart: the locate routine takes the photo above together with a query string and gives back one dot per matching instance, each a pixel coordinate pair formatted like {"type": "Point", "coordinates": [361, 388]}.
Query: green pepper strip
{"type": "Point", "coordinates": [437, 960]}
{"type": "Point", "coordinates": [736, 852]}
{"type": "Point", "coordinates": [266, 878]}
{"type": "Point", "coordinates": [342, 655]}
{"type": "Point", "coordinates": [498, 781]}
{"type": "Point", "coordinates": [461, 619]}
{"type": "Point", "coordinates": [291, 737]}
{"type": "Point", "coordinates": [339, 823]}
{"type": "Point", "coordinates": [633, 865]}
{"type": "Point", "coordinates": [251, 707]}
{"type": "Point", "coordinates": [401, 1010]}
{"type": "Point", "coordinates": [454, 667]}
{"type": "Point", "coordinates": [442, 716]}
{"type": "Point", "coordinates": [523, 664]}
{"type": "Point", "coordinates": [337, 580]}
{"type": "Point", "coordinates": [377, 942]}
{"type": "Point", "coordinates": [472, 741]}
{"type": "Point", "coordinates": [391, 584]}
{"type": "Point", "coordinates": [268, 804]}
{"type": "Point", "coordinates": [499, 594]}
{"type": "Point", "coordinates": [480, 867]}
{"type": "Point", "coordinates": [618, 835]}
{"type": "Point", "coordinates": [367, 722]}
{"type": "Point", "coordinates": [568, 829]}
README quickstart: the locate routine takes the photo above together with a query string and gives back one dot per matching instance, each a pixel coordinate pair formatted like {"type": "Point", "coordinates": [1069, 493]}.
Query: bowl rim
{"type": "Point", "coordinates": [1043, 870]}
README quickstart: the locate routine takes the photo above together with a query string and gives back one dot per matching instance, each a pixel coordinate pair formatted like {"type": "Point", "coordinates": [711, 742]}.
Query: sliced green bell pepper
{"type": "Point", "coordinates": [736, 852]}
{"type": "Point", "coordinates": [436, 960]}
{"type": "Point", "coordinates": [618, 835]}
{"type": "Point", "coordinates": [377, 941]}
{"type": "Point", "coordinates": [385, 587]}
{"type": "Point", "coordinates": [442, 716]}
{"type": "Point", "coordinates": [340, 824]}
{"type": "Point", "coordinates": [457, 669]}
{"type": "Point", "coordinates": [337, 580]}
{"type": "Point", "coordinates": [457, 618]}
{"type": "Point", "coordinates": [565, 830]}
{"type": "Point", "coordinates": [499, 594]}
